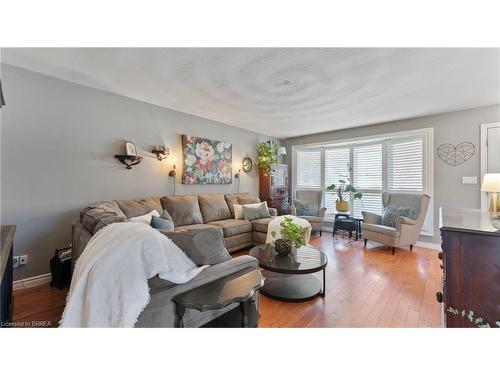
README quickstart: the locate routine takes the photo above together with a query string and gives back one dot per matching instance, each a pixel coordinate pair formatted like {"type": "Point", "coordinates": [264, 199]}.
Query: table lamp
{"type": "Point", "coordinates": [491, 184]}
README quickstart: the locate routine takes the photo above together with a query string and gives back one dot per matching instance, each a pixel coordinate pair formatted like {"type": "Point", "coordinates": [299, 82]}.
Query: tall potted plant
{"type": "Point", "coordinates": [344, 187]}
{"type": "Point", "coordinates": [267, 156]}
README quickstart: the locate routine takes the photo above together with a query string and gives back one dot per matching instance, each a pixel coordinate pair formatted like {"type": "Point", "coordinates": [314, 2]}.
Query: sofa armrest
{"type": "Point", "coordinates": [293, 210]}
{"type": "Point", "coordinates": [273, 211]}
{"type": "Point", "coordinates": [371, 218]}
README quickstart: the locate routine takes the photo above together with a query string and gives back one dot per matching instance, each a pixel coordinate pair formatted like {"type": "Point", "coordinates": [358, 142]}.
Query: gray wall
{"type": "Point", "coordinates": [453, 127]}
{"type": "Point", "coordinates": [57, 145]}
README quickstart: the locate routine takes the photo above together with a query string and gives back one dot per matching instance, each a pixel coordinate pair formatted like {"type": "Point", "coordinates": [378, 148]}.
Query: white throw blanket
{"type": "Point", "coordinates": [274, 225]}
{"type": "Point", "coordinates": [109, 287]}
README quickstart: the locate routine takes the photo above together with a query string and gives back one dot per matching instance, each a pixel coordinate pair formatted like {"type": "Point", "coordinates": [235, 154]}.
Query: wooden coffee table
{"type": "Point", "coordinates": [289, 278]}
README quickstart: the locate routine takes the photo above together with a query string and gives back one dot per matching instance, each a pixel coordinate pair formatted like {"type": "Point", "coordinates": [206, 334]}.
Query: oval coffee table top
{"type": "Point", "coordinates": [303, 260]}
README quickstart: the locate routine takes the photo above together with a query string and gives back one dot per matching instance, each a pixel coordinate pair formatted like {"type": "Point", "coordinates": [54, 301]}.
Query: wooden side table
{"type": "Point", "coordinates": [236, 288]}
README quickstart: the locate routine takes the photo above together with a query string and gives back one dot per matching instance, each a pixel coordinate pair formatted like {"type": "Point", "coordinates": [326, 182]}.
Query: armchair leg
{"type": "Point", "coordinates": [393, 250]}
{"type": "Point", "coordinates": [365, 241]}
{"type": "Point", "coordinates": [411, 247]}
{"type": "Point", "coordinates": [320, 233]}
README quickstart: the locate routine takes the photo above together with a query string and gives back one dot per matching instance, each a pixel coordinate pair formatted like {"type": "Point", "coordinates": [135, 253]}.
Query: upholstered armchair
{"type": "Point", "coordinates": [406, 231]}
{"type": "Point", "coordinates": [314, 199]}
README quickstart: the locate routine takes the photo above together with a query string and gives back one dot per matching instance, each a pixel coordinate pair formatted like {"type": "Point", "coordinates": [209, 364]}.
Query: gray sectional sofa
{"type": "Point", "coordinates": [189, 212]}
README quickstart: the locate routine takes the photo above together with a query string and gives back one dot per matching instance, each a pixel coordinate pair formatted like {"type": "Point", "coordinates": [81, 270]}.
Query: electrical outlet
{"type": "Point", "coordinates": [15, 262]}
{"type": "Point", "coordinates": [23, 260]}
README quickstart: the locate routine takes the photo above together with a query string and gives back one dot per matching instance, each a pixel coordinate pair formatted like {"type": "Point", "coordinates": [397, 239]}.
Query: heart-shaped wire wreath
{"type": "Point", "coordinates": [456, 155]}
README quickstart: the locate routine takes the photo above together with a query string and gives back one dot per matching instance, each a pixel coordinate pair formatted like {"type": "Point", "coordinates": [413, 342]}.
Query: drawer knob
{"type": "Point", "coordinates": [440, 255]}
{"type": "Point", "coordinates": [439, 297]}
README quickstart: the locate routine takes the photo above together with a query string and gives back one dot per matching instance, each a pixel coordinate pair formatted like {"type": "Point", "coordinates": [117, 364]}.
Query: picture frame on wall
{"type": "Point", "coordinates": [206, 161]}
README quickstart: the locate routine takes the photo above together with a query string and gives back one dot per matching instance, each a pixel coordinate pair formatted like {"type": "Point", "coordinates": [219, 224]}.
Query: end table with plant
{"type": "Point", "coordinates": [292, 235]}
{"type": "Point", "coordinates": [343, 188]}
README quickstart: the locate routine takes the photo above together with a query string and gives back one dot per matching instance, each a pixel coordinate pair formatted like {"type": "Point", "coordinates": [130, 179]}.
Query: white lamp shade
{"type": "Point", "coordinates": [281, 151]}
{"type": "Point", "coordinates": [491, 183]}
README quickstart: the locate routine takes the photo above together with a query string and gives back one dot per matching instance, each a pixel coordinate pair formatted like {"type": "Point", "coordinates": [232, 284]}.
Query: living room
{"type": "Point", "coordinates": [155, 186]}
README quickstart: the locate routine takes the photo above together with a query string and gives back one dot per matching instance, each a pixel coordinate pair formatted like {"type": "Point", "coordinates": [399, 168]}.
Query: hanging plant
{"type": "Point", "coordinates": [267, 156]}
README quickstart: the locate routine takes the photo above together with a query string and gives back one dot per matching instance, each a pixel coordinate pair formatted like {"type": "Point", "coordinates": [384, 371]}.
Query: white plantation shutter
{"type": "Point", "coordinates": [309, 169]}
{"type": "Point", "coordinates": [336, 168]}
{"type": "Point", "coordinates": [371, 202]}
{"type": "Point", "coordinates": [367, 167]}
{"type": "Point", "coordinates": [405, 170]}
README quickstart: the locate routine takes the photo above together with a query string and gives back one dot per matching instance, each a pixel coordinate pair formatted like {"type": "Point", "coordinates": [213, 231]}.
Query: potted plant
{"type": "Point", "coordinates": [341, 190]}
{"type": "Point", "coordinates": [267, 156]}
{"type": "Point", "coordinates": [292, 235]}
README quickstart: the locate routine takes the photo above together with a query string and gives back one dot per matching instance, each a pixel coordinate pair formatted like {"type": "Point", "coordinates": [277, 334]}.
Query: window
{"type": "Point", "coordinates": [401, 162]}
{"type": "Point", "coordinates": [405, 167]}
{"type": "Point", "coordinates": [336, 168]}
{"type": "Point", "coordinates": [309, 169]}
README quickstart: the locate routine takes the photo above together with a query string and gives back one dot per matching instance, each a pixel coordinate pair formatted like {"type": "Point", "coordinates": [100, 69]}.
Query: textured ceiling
{"type": "Point", "coordinates": [282, 92]}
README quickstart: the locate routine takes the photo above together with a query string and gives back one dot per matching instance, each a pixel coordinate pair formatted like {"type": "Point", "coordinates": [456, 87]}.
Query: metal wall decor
{"type": "Point", "coordinates": [456, 155]}
{"type": "Point", "coordinates": [247, 164]}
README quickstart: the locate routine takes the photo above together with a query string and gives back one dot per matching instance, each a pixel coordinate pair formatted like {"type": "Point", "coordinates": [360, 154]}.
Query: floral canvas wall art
{"type": "Point", "coordinates": [206, 161]}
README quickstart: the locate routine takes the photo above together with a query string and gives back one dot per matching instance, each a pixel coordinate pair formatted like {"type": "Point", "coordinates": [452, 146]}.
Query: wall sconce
{"type": "Point", "coordinates": [2, 101]}
{"type": "Point", "coordinates": [161, 152]}
{"type": "Point", "coordinates": [172, 173]}
{"type": "Point", "coordinates": [237, 176]}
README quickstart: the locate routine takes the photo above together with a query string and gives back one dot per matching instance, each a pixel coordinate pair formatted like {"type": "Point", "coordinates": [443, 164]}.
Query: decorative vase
{"type": "Point", "coordinates": [342, 206]}
{"type": "Point", "coordinates": [283, 247]}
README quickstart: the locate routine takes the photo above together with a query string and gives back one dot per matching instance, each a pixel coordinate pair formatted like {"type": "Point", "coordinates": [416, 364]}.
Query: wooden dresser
{"type": "Point", "coordinates": [471, 266]}
{"type": "Point", "coordinates": [273, 188]}
{"type": "Point", "coordinates": [7, 240]}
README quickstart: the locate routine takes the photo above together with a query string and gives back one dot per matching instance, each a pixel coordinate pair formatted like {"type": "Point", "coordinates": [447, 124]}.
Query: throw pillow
{"type": "Point", "coordinates": [255, 211]}
{"type": "Point", "coordinates": [203, 246]}
{"type": "Point", "coordinates": [146, 219]}
{"type": "Point", "coordinates": [238, 211]}
{"type": "Point", "coordinates": [164, 221]}
{"type": "Point", "coordinates": [391, 214]}
{"type": "Point", "coordinates": [303, 208]}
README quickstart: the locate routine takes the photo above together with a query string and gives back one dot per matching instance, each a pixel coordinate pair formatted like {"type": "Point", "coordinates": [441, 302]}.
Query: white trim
{"type": "Point", "coordinates": [32, 281]}
{"type": "Point", "coordinates": [428, 245]}
{"type": "Point", "coordinates": [484, 158]}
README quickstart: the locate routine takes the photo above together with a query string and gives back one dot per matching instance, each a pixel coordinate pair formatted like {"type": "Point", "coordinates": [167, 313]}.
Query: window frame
{"type": "Point", "coordinates": [427, 135]}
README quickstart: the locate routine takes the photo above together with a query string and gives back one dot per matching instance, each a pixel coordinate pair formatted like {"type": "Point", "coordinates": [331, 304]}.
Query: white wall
{"type": "Point", "coordinates": [452, 127]}
{"type": "Point", "coordinates": [57, 145]}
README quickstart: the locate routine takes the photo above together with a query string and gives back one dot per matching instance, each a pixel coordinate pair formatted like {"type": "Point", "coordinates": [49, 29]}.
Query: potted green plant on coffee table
{"type": "Point", "coordinates": [292, 235]}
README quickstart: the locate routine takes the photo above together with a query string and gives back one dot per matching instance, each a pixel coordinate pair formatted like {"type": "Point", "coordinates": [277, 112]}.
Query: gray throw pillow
{"type": "Point", "coordinates": [391, 214]}
{"type": "Point", "coordinates": [203, 246]}
{"type": "Point", "coordinates": [255, 211]}
{"type": "Point", "coordinates": [163, 222]}
{"type": "Point", "coordinates": [302, 207]}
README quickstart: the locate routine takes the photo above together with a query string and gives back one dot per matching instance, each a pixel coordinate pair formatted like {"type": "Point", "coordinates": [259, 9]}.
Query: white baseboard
{"type": "Point", "coordinates": [429, 245]}
{"type": "Point", "coordinates": [32, 281]}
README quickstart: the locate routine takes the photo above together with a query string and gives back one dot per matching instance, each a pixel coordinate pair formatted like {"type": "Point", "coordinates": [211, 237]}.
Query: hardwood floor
{"type": "Point", "coordinates": [365, 288]}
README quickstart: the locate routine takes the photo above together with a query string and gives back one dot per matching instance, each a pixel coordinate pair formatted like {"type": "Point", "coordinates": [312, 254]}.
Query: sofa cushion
{"type": "Point", "coordinates": [213, 207]}
{"type": "Point", "coordinates": [138, 207]}
{"type": "Point", "coordinates": [203, 246]}
{"type": "Point", "coordinates": [247, 200]}
{"type": "Point", "coordinates": [184, 209]}
{"type": "Point", "coordinates": [255, 211]}
{"type": "Point", "coordinates": [233, 227]}
{"type": "Point", "coordinates": [185, 228]}
{"type": "Point", "coordinates": [231, 199]}
{"type": "Point", "coordinates": [102, 213]}
{"type": "Point", "coordinates": [240, 241]}
{"type": "Point", "coordinates": [146, 218]}
{"type": "Point", "coordinates": [382, 229]}
{"type": "Point", "coordinates": [260, 225]}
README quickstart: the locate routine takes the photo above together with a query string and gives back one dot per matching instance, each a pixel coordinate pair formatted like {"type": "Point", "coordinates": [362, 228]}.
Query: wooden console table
{"type": "Point", "coordinates": [6, 249]}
